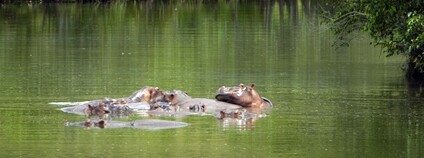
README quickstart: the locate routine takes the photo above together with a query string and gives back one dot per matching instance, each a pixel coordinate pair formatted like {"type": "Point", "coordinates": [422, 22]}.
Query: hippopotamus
{"type": "Point", "coordinates": [100, 110]}
{"type": "Point", "coordinates": [243, 96]}
{"type": "Point", "coordinates": [149, 124]}
{"type": "Point", "coordinates": [140, 100]}
{"type": "Point", "coordinates": [181, 101]}
{"type": "Point", "coordinates": [146, 94]}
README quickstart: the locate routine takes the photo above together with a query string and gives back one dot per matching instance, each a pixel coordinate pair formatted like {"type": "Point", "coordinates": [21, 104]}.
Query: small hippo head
{"type": "Point", "coordinates": [241, 95]}
{"type": "Point", "coordinates": [97, 110]}
{"type": "Point", "coordinates": [147, 94]}
{"type": "Point", "coordinates": [88, 123]}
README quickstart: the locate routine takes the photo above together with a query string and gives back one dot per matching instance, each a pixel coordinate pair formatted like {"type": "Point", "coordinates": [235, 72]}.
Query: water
{"type": "Point", "coordinates": [347, 102]}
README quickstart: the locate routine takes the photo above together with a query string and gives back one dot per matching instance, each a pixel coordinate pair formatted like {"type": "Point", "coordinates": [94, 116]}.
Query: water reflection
{"type": "Point", "coordinates": [148, 124]}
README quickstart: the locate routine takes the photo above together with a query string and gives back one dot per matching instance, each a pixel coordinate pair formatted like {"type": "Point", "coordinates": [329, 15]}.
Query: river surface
{"type": "Point", "coordinates": [328, 102]}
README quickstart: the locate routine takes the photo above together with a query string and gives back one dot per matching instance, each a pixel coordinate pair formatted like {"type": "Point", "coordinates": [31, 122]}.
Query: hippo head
{"type": "Point", "coordinates": [147, 94]}
{"type": "Point", "coordinates": [176, 97]}
{"type": "Point", "coordinates": [99, 109]}
{"type": "Point", "coordinates": [242, 95]}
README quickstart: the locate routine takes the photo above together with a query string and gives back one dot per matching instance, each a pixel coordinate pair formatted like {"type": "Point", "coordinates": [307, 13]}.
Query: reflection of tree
{"type": "Point", "coordinates": [292, 7]}
{"type": "Point", "coordinates": [266, 8]}
{"type": "Point", "coordinates": [399, 126]}
{"type": "Point", "coordinates": [416, 89]}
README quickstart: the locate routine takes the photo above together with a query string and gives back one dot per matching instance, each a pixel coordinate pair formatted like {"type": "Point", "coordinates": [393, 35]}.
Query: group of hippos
{"type": "Point", "coordinates": [236, 103]}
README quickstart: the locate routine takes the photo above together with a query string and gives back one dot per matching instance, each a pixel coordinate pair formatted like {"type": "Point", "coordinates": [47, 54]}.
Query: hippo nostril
{"type": "Point", "coordinates": [203, 107]}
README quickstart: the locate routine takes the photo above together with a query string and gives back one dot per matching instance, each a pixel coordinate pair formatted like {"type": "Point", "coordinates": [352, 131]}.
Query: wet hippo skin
{"type": "Point", "coordinates": [139, 100]}
{"type": "Point", "coordinates": [181, 101]}
{"type": "Point", "coordinates": [243, 96]}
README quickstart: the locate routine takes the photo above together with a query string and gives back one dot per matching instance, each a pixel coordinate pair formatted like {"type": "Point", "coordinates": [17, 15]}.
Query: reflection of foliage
{"type": "Point", "coordinates": [397, 26]}
{"type": "Point", "coordinates": [103, 1]}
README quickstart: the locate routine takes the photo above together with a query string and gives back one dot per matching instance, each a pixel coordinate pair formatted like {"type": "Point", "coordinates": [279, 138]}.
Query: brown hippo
{"type": "Point", "coordinates": [181, 101]}
{"type": "Point", "coordinates": [243, 96]}
{"type": "Point", "coordinates": [146, 94]}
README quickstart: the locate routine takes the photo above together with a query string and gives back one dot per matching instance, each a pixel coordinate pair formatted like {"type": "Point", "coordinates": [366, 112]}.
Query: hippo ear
{"type": "Point", "coordinates": [241, 85]}
{"type": "Point", "coordinates": [154, 90]}
{"type": "Point", "coordinates": [252, 86]}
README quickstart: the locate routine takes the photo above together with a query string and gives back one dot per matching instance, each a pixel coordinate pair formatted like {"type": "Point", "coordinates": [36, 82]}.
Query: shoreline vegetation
{"type": "Point", "coordinates": [396, 26]}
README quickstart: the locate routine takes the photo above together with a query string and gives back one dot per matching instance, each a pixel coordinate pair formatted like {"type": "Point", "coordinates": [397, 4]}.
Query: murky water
{"type": "Point", "coordinates": [350, 102]}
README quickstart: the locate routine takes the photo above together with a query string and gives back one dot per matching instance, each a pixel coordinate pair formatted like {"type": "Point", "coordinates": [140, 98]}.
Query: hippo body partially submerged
{"type": "Point", "coordinates": [183, 102]}
{"type": "Point", "coordinates": [149, 124]}
{"type": "Point", "coordinates": [239, 105]}
{"type": "Point", "coordinates": [140, 100]}
{"type": "Point", "coordinates": [114, 109]}
{"type": "Point", "coordinates": [243, 96]}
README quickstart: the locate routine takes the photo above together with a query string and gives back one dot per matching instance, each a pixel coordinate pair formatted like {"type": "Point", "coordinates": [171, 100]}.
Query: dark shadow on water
{"type": "Point", "coordinates": [415, 88]}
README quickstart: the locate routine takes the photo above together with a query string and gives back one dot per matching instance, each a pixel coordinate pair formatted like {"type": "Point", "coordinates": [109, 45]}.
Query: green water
{"type": "Point", "coordinates": [349, 102]}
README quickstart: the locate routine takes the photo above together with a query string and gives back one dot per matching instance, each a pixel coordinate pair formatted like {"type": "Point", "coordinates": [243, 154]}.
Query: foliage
{"type": "Point", "coordinates": [397, 26]}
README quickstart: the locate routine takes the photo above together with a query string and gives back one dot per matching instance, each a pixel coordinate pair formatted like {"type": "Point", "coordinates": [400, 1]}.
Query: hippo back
{"type": "Point", "coordinates": [243, 96]}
